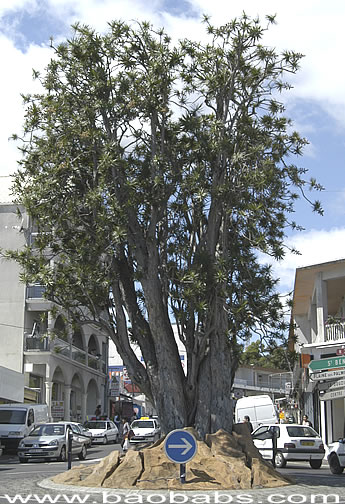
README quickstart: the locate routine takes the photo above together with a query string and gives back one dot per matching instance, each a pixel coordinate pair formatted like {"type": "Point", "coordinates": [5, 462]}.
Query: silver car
{"type": "Point", "coordinates": [50, 441]}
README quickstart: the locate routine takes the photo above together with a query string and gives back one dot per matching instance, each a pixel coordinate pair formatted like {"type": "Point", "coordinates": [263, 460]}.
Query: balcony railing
{"type": "Point", "coordinates": [335, 331]}
{"type": "Point", "coordinates": [272, 385]}
{"type": "Point", "coordinates": [61, 347]}
{"type": "Point", "coordinates": [32, 343]}
{"type": "Point", "coordinates": [35, 291]}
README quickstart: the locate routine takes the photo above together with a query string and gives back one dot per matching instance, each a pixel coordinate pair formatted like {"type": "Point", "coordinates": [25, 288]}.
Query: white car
{"type": "Point", "coordinates": [103, 431]}
{"type": "Point", "coordinates": [86, 433]}
{"type": "Point", "coordinates": [336, 456]}
{"type": "Point", "coordinates": [146, 430]}
{"type": "Point", "coordinates": [294, 442]}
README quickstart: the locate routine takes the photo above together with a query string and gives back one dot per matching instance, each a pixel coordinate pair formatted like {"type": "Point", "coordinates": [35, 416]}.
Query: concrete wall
{"type": "Point", "coordinates": [12, 293]}
{"type": "Point", "coordinates": [11, 386]}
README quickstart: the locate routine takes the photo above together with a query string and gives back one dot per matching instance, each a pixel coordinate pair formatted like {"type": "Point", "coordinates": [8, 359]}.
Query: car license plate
{"type": "Point", "coordinates": [307, 443]}
{"type": "Point", "coordinates": [36, 450]}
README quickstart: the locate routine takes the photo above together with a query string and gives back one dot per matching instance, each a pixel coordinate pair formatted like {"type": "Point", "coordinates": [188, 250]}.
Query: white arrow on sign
{"type": "Point", "coordinates": [187, 446]}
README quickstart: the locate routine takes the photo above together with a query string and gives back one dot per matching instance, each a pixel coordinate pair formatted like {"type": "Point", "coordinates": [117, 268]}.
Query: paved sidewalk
{"type": "Point", "coordinates": [294, 494]}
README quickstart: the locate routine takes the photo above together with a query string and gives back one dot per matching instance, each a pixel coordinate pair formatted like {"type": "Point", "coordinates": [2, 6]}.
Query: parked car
{"type": "Point", "coordinates": [146, 430]}
{"type": "Point", "coordinates": [103, 431]}
{"type": "Point", "coordinates": [86, 433]}
{"type": "Point", "coordinates": [17, 420]}
{"type": "Point", "coordinates": [336, 456]}
{"type": "Point", "coordinates": [294, 442]}
{"type": "Point", "coordinates": [50, 441]}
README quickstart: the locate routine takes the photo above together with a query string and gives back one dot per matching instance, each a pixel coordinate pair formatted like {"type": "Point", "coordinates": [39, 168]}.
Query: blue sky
{"type": "Point", "coordinates": [316, 104]}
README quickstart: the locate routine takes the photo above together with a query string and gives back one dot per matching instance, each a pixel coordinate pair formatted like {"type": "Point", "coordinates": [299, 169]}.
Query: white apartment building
{"type": "Point", "coordinates": [319, 317]}
{"type": "Point", "coordinates": [54, 364]}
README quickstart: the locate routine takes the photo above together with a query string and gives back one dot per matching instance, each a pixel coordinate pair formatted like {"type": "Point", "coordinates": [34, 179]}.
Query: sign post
{"type": "Point", "coordinates": [180, 447]}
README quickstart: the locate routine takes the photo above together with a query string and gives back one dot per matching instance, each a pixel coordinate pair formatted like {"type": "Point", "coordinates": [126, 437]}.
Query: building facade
{"type": "Point", "coordinates": [319, 318]}
{"type": "Point", "coordinates": [64, 367]}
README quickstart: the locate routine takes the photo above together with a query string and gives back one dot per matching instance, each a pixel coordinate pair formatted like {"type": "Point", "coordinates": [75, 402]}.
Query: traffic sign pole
{"type": "Point", "coordinates": [183, 473]}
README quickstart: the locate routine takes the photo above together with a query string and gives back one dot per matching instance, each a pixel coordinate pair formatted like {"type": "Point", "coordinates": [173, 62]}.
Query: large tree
{"type": "Point", "coordinates": [153, 174]}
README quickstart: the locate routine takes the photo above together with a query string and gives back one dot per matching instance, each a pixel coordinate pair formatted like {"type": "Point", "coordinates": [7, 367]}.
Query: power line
{"type": "Point", "coordinates": [16, 326]}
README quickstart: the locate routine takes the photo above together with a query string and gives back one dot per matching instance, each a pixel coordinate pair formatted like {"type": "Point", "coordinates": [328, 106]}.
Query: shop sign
{"type": "Point", "coordinates": [58, 409]}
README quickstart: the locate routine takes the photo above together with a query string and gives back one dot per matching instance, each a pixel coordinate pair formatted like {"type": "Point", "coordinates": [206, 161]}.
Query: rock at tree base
{"type": "Point", "coordinates": [223, 462]}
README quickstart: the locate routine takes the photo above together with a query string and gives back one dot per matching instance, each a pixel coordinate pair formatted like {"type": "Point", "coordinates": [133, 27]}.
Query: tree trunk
{"type": "Point", "coordinates": [214, 403]}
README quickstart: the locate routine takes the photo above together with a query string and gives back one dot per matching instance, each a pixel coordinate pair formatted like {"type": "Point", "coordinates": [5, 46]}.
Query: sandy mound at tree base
{"type": "Point", "coordinates": [223, 462]}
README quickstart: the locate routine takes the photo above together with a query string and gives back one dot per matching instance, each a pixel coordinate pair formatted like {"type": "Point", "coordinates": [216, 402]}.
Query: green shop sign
{"type": "Point", "coordinates": [334, 362]}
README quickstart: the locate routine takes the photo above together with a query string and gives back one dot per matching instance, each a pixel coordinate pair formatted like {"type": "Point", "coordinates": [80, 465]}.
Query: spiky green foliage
{"type": "Point", "coordinates": [153, 174]}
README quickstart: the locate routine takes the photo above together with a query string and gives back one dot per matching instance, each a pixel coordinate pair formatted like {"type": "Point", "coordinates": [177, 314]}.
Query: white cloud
{"type": "Point", "coordinates": [315, 247]}
{"type": "Point", "coordinates": [18, 80]}
{"type": "Point", "coordinates": [313, 27]}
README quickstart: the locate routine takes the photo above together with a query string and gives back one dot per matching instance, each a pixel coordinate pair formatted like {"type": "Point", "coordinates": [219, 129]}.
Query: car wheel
{"type": "Point", "coordinates": [315, 464]}
{"type": "Point", "coordinates": [334, 465]}
{"type": "Point", "coordinates": [23, 460]}
{"type": "Point", "coordinates": [62, 456]}
{"type": "Point", "coordinates": [82, 454]}
{"type": "Point", "coordinates": [280, 460]}
{"type": "Point", "coordinates": [105, 440]}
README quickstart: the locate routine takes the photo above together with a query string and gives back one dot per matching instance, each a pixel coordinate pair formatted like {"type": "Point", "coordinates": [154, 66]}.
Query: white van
{"type": "Point", "coordinates": [259, 408]}
{"type": "Point", "coordinates": [18, 419]}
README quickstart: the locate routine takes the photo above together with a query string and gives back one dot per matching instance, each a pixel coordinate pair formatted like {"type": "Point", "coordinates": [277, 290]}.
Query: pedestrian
{"type": "Point", "coordinates": [117, 421]}
{"type": "Point", "coordinates": [98, 412]}
{"type": "Point", "coordinates": [125, 430]}
{"type": "Point", "coordinates": [305, 421]}
{"type": "Point", "coordinates": [247, 421]}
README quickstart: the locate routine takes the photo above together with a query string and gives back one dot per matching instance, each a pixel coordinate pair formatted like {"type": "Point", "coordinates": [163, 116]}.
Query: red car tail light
{"type": "Point", "coordinates": [289, 445]}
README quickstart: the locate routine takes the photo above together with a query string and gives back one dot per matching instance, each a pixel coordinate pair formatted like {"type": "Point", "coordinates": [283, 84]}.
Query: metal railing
{"type": "Point", "coordinates": [34, 343]}
{"type": "Point", "coordinates": [278, 383]}
{"type": "Point", "coordinates": [35, 291]}
{"type": "Point", "coordinates": [62, 347]}
{"type": "Point", "coordinates": [335, 331]}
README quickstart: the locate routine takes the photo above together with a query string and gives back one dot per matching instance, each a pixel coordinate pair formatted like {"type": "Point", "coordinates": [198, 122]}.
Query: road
{"type": "Point", "coordinates": [19, 484]}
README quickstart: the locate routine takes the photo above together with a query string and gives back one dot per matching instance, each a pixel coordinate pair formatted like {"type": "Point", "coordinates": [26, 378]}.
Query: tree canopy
{"type": "Point", "coordinates": [153, 173]}
{"type": "Point", "coordinates": [273, 355]}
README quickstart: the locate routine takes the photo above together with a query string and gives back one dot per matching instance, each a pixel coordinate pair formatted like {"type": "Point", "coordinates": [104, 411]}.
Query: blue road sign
{"type": "Point", "coordinates": [180, 446]}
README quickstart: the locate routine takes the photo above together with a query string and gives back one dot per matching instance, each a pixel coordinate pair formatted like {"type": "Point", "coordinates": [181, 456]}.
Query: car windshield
{"type": "Point", "coordinates": [12, 416]}
{"type": "Point", "coordinates": [48, 430]}
{"type": "Point", "coordinates": [301, 431]}
{"type": "Point", "coordinates": [144, 424]}
{"type": "Point", "coordinates": [95, 425]}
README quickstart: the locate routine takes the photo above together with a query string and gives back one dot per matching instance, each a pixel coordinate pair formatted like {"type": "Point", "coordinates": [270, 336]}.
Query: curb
{"type": "Point", "coordinates": [125, 492]}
